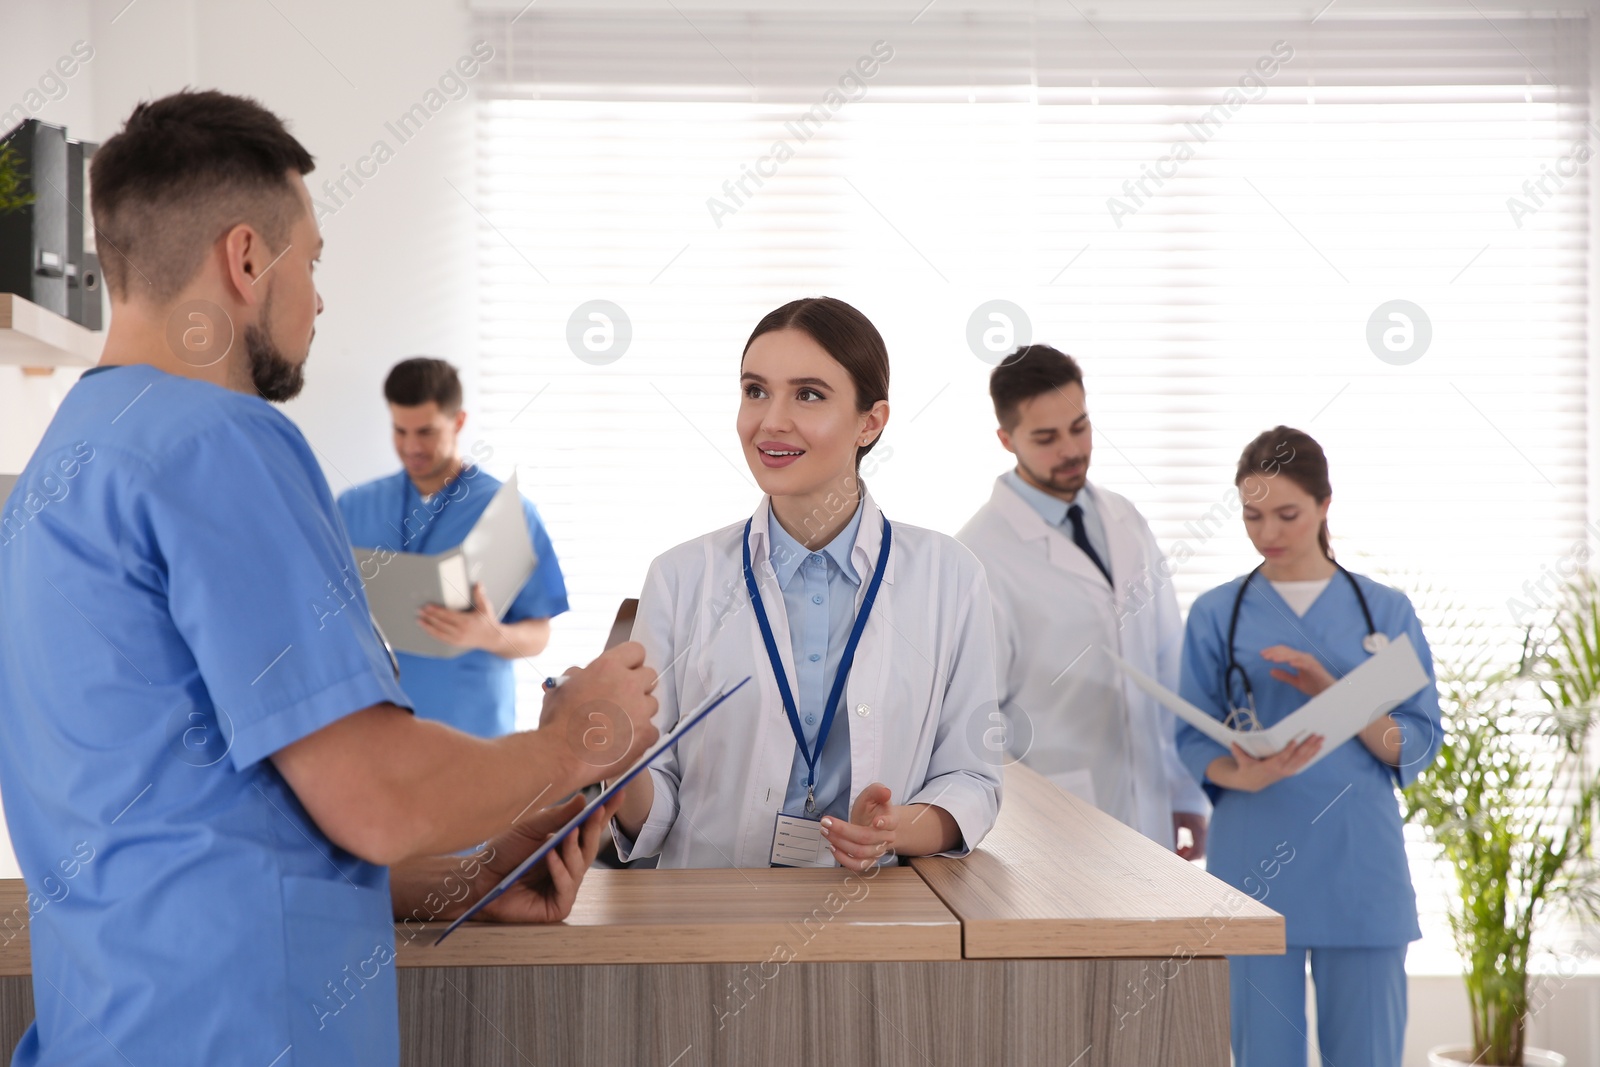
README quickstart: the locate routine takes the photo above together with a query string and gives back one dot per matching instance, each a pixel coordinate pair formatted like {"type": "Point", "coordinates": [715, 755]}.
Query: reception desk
{"type": "Point", "coordinates": [1066, 939]}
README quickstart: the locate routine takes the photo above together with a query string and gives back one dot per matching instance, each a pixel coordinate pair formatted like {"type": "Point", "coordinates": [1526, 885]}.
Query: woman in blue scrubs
{"type": "Point", "coordinates": [1322, 844]}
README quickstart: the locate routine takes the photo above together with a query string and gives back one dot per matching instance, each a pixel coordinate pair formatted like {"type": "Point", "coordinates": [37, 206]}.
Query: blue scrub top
{"type": "Point", "coordinates": [166, 561]}
{"type": "Point", "coordinates": [477, 690]}
{"type": "Point", "coordinates": [1324, 848]}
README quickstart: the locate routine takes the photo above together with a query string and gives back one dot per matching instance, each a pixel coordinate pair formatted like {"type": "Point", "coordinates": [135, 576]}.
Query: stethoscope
{"type": "Point", "coordinates": [1244, 718]}
{"type": "Point", "coordinates": [388, 649]}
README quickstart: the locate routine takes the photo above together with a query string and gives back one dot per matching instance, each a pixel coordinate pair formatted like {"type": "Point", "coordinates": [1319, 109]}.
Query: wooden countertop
{"type": "Point", "coordinates": [700, 916]}
{"type": "Point", "coordinates": [1057, 877]}
{"type": "Point", "coordinates": [712, 916]}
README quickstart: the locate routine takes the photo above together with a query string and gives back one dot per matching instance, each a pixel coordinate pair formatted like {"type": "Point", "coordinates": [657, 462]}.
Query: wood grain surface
{"type": "Point", "coordinates": [708, 916]}
{"type": "Point", "coordinates": [1057, 877]}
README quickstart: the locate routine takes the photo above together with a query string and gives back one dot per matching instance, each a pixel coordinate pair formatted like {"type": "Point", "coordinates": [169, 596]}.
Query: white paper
{"type": "Point", "coordinates": [1338, 713]}
{"type": "Point", "coordinates": [797, 842]}
{"type": "Point", "coordinates": [497, 552]}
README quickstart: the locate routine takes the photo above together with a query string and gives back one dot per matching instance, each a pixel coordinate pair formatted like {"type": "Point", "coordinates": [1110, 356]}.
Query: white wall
{"type": "Point", "coordinates": [397, 274]}
{"type": "Point", "coordinates": [35, 37]}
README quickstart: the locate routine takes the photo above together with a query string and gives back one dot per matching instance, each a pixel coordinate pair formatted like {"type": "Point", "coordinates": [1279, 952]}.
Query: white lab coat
{"type": "Point", "coordinates": [1092, 731]}
{"type": "Point", "coordinates": [917, 699]}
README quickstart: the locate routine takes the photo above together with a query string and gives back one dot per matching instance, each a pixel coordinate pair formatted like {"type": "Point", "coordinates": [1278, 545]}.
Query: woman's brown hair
{"type": "Point", "coordinates": [1296, 455]}
{"type": "Point", "coordinates": [846, 335]}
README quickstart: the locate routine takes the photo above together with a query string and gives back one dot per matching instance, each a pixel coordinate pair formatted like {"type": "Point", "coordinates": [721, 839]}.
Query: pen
{"type": "Point", "coordinates": [554, 683]}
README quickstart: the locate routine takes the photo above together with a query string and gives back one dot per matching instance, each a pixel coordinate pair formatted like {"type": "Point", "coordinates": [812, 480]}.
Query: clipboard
{"type": "Point", "coordinates": [1338, 713]}
{"type": "Point", "coordinates": [684, 726]}
{"type": "Point", "coordinates": [497, 552]}
{"type": "Point", "coordinates": [622, 625]}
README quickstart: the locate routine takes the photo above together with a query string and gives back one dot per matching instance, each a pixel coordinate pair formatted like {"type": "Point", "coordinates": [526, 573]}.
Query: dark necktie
{"type": "Point", "coordinates": [1080, 537]}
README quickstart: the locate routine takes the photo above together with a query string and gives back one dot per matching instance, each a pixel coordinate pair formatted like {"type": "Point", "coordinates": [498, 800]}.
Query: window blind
{"type": "Point", "coordinates": [1216, 218]}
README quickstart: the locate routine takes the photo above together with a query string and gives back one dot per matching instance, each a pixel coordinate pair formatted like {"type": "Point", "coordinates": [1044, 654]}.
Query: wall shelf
{"type": "Point", "coordinates": [36, 338]}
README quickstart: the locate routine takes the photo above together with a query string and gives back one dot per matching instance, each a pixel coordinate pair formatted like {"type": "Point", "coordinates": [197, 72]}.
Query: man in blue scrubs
{"type": "Point", "coordinates": [208, 768]}
{"type": "Point", "coordinates": [431, 506]}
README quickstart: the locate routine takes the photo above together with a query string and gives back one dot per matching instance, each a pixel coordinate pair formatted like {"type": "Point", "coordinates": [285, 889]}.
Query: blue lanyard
{"type": "Point", "coordinates": [811, 756]}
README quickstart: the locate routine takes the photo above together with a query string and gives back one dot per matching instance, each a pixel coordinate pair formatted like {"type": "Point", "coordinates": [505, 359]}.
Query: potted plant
{"type": "Point", "coordinates": [1511, 805]}
{"type": "Point", "coordinates": [11, 180]}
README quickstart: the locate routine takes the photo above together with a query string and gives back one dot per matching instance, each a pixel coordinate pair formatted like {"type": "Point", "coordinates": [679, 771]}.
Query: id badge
{"type": "Point", "coordinates": [797, 842]}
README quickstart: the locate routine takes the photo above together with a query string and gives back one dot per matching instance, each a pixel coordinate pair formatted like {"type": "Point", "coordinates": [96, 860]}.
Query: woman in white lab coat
{"type": "Point", "coordinates": [824, 602]}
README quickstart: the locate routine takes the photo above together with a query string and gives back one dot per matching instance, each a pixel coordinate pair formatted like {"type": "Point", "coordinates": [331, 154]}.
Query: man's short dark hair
{"type": "Point", "coordinates": [183, 171]}
{"type": "Point", "coordinates": [1030, 371]}
{"type": "Point", "coordinates": [413, 382]}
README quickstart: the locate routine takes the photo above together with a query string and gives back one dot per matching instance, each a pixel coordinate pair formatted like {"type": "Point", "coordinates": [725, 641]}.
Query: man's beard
{"type": "Point", "coordinates": [1072, 483]}
{"type": "Point", "coordinates": [274, 377]}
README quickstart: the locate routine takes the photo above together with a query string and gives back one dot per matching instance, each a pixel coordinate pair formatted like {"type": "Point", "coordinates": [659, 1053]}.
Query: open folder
{"type": "Point", "coordinates": [497, 552]}
{"type": "Point", "coordinates": [1338, 713]}
{"type": "Point", "coordinates": [685, 724]}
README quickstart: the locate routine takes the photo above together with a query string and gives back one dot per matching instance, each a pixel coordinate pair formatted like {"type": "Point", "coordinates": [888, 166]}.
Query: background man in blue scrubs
{"type": "Point", "coordinates": [198, 727]}
{"type": "Point", "coordinates": [431, 506]}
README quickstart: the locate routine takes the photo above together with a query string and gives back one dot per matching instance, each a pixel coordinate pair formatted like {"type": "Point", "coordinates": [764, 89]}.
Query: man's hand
{"type": "Point", "coordinates": [390, 787]}
{"type": "Point", "coordinates": [546, 893]}
{"type": "Point", "coordinates": [601, 715]}
{"type": "Point", "coordinates": [1195, 823]}
{"type": "Point", "coordinates": [477, 627]}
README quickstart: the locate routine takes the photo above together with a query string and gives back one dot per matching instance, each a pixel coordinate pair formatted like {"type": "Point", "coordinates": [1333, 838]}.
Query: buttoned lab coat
{"type": "Point", "coordinates": [918, 697]}
{"type": "Point", "coordinates": [1070, 713]}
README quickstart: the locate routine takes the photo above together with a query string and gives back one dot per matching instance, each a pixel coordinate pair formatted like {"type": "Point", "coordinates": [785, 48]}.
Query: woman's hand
{"type": "Point", "coordinates": [546, 893]}
{"type": "Point", "coordinates": [871, 832]}
{"type": "Point", "coordinates": [877, 827]}
{"type": "Point", "coordinates": [1244, 772]}
{"type": "Point", "coordinates": [1308, 675]}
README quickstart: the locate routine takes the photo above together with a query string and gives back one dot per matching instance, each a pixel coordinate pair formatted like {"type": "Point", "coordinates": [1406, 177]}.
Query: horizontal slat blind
{"type": "Point", "coordinates": [995, 158]}
{"type": "Point", "coordinates": [776, 57]}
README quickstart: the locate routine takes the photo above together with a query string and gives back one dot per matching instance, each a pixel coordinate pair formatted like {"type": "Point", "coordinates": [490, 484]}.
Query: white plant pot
{"type": "Point", "coordinates": [1461, 1056]}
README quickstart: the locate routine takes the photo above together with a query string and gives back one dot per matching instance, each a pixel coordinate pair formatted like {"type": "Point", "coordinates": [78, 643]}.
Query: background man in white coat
{"type": "Point", "coordinates": [1075, 570]}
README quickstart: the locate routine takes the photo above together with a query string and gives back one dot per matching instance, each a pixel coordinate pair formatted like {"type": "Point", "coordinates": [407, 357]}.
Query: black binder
{"type": "Point", "coordinates": [33, 239]}
{"type": "Point", "coordinates": [83, 266]}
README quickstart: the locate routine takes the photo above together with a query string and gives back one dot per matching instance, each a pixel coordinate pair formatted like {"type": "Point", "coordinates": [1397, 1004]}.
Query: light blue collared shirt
{"type": "Point", "coordinates": [1054, 511]}
{"type": "Point", "coordinates": [819, 595]}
